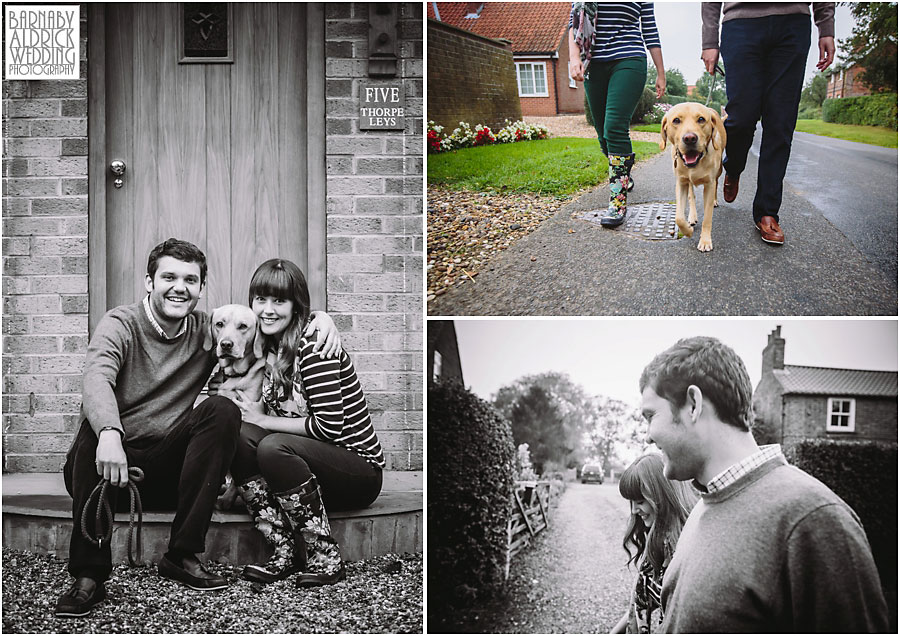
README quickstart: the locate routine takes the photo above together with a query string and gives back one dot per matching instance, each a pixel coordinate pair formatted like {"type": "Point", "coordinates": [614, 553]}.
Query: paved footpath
{"type": "Point", "coordinates": [571, 267]}
{"type": "Point", "coordinates": [572, 578]}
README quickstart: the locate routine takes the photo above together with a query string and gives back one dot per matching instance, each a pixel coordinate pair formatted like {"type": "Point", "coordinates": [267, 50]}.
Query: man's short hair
{"type": "Point", "coordinates": [182, 250]}
{"type": "Point", "coordinates": [712, 366]}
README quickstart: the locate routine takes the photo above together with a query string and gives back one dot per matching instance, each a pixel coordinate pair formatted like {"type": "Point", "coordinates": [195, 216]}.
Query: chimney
{"type": "Point", "coordinates": [773, 354]}
{"type": "Point", "coordinates": [473, 10]}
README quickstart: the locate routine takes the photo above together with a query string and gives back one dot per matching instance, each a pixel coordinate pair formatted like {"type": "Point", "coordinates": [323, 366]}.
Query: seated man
{"type": "Point", "coordinates": [145, 368]}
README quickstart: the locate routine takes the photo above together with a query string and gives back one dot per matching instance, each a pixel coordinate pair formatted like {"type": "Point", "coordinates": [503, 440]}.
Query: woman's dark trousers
{"type": "Point", "coordinates": [183, 471]}
{"type": "Point", "coordinates": [347, 481]}
{"type": "Point", "coordinates": [765, 59]}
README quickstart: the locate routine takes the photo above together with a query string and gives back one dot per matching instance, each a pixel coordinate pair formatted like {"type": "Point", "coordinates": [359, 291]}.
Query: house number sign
{"type": "Point", "coordinates": [381, 106]}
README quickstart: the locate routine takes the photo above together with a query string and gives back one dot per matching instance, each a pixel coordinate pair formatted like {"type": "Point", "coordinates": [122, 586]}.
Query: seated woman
{"type": "Point", "coordinates": [308, 440]}
{"type": "Point", "coordinates": [659, 508]}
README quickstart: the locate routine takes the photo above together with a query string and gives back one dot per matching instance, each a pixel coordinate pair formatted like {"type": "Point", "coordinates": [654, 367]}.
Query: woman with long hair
{"type": "Point", "coordinates": [659, 508]}
{"type": "Point", "coordinates": [308, 440]}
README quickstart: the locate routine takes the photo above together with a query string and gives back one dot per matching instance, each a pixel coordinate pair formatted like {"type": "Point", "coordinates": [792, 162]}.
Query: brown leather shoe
{"type": "Point", "coordinates": [770, 231]}
{"type": "Point", "coordinates": [730, 189]}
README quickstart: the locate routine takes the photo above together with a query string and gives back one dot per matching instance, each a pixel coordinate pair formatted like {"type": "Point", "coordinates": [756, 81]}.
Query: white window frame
{"type": "Point", "coordinates": [438, 365]}
{"type": "Point", "coordinates": [533, 64]}
{"type": "Point", "coordinates": [850, 415]}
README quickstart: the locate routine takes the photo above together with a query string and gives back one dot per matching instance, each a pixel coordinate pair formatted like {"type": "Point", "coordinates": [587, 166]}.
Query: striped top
{"type": "Point", "coordinates": [622, 30]}
{"type": "Point", "coordinates": [335, 401]}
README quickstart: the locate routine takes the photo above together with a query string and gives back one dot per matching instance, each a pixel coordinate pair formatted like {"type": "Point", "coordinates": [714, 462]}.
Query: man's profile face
{"type": "Point", "coordinates": [679, 446]}
{"type": "Point", "coordinates": [174, 290]}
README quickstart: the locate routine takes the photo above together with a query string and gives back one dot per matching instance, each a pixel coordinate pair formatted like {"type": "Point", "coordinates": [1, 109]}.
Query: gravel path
{"type": "Point", "coordinates": [577, 126]}
{"type": "Point", "coordinates": [379, 595]}
{"type": "Point", "coordinates": [572, 579]}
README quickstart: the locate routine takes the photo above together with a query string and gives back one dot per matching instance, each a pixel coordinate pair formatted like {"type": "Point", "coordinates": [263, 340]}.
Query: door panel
{"type": "Point", "coordinates": [216, 153]}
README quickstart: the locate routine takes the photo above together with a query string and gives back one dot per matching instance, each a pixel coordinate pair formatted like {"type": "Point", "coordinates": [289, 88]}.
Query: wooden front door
{"type": "Point", "coordinates": [224, 152]}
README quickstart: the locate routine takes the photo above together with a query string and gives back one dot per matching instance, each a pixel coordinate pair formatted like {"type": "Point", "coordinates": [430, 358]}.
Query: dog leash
{"type": "Point", "coordinates": [718, 69]}
{"type": "Point", "coordinates": [105, 514]}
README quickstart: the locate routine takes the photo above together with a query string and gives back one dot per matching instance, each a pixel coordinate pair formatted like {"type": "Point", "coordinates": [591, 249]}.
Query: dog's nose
{"type": "Point", "coordinates": [690, 138]}
{"type": "Point", "coordinates": [226, 344]}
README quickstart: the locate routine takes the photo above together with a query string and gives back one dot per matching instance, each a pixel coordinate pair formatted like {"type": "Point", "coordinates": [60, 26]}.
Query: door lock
{"type": "Point", "coordinates": [117, 167]}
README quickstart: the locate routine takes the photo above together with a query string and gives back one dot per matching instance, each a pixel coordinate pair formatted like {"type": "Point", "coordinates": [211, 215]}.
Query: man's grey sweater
{"type": "Point", "coordinates": [823, 13]}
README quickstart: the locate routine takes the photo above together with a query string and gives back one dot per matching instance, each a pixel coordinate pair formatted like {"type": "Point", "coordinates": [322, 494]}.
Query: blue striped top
{"type": "Point", "coordinates": [622, 30]}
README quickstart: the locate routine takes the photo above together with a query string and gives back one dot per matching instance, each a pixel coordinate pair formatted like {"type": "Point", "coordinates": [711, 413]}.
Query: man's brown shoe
{"type": "Point", "coordinates": [730, 189]}
{"type": "Point", "coordinates": [771, 233]}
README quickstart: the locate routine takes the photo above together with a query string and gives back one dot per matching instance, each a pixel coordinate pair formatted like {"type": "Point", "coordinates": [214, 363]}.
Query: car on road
{"type": "Point", "coordinates": [591, 472]}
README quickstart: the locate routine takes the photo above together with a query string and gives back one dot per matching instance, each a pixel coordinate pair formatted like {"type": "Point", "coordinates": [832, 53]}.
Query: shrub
{"type": "Point", "coordinates": [645, 103]}
{"type": "Point", "coordinates": [864, 474]}
{"type": "Point", "coordinates": [471, 464]}
{"type": "Point", "coordinates": [810, 112]}
{"type": "Point", "coordinates": [868, 110]}
{"type": "Point", "coordinates": [656, 114]}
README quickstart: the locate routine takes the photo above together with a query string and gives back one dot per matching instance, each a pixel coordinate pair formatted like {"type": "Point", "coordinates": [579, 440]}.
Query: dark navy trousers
{"type": "Point", "coordinates": [182, 472]}
{"type": "Point", "coordinates": [764, 59]}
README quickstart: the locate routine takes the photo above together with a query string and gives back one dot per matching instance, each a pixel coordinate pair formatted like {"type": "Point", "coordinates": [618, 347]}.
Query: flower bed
{"type": "Point", "coordinates": [464, 136]}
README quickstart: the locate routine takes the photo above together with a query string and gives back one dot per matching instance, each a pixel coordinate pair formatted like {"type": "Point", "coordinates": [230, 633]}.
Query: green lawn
{"type": "Point", "coordinates": [560, 166]}
{"type": "Point", "coordinates": [863, 134]}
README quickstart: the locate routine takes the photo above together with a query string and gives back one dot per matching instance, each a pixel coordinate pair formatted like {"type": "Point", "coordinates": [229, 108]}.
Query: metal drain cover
{"type": "Point", "coordinates": [651, 221]}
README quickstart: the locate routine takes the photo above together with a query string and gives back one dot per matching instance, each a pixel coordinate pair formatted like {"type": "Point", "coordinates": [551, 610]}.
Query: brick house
{"type": "Point", "coordinates": [250, 154]}
{"type": "Point", "coordinates": [792, 402]}
{"type": "Point", "coordinates": [443, 352]}
{"type": "Point", "coordinates": [538, 32]}
{"type": "Point", "coordinates": [844, 82]}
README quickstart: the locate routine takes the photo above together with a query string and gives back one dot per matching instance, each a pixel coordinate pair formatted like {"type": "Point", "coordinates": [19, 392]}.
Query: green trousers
{"type": "Point", "coordinates": [613, 90]}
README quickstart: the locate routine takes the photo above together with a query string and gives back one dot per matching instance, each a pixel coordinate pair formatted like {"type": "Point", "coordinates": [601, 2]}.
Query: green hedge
{"type": "Point", "coordinates": [471, 463]}
{"type": "Point", "coordinates": [864, 474]}
{"type": "Point", "coordinates": [868, 110]}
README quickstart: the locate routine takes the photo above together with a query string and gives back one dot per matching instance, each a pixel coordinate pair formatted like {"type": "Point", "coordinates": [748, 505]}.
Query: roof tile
{"type": "Point", "coordinates": [837, 382]}
{"type": "Point", "coordinates": [532, 27]}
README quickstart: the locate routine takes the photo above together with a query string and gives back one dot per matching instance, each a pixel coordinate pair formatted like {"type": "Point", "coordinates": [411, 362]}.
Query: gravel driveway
{"type": "Point", "coordinates": [572, 579]}
{"type": "Point", "coordinates": [577, 126]}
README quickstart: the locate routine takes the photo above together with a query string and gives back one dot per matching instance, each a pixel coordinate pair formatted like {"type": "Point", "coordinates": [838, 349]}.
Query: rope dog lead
{"type": "Point", "coordinates": [105, 515]}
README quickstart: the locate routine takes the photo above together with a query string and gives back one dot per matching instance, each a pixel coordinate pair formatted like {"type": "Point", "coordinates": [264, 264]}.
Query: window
{"type": "Point", "coordinates": [532, 79]}
{"type": "Point", "coordinates": [438, 363]}
{"type": "Point", "coordinates": [841, 415]}
{"type": "Point", "coordinates": [572, 82]}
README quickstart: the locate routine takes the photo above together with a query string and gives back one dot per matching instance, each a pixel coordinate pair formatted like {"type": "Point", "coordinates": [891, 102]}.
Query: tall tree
{"type": "Point", "coordinates": [675, 82]}
{"type": "Point", "coordinates": [536, 420]}
{"type": "Point", "coordinates": [617, 428]}
{"type": "Point", "coordinates": [873, 44]}
{"type": "Point", "coordinates": [815, 91]}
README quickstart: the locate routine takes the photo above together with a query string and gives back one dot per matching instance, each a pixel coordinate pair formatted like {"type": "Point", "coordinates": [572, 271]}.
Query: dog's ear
{"type": "Point", "coordinates": [663, 138]}
{"type": "Point", "coordinates": [258, 343]}
{"type": "Point", "coordinates": [207, 334]}
{"type": "Point", "coordinates": [719, 126]}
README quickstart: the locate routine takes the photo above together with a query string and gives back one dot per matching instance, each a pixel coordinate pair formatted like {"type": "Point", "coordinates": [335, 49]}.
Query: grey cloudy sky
{"type": "Point", "coordinates": [679, 27]}
{"type": "Point", "coordinates": [606, 356]}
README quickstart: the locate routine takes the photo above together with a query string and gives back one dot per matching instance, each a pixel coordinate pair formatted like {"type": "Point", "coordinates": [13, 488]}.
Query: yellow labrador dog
{"type": "Point", "coordinates": [238, 342]}
{"type": "Point", "coordinates": [697, 136]}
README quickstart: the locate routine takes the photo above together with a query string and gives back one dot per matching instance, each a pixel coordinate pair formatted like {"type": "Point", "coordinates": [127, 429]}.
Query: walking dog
{"type": "Point", "coordinates": [697, 136]}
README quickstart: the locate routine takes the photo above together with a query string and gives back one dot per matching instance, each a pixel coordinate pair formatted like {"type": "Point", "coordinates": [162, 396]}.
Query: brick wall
{"type": "Point", "coordinates": [374, 262]}
{"type": "Point", "coordinates": [571, 100]}
{"type": "Point", "coordinates": [45, 279]}
{"type": "Point", "coordinates": [805, 417]}
{"type": "Point", "coordinates": [470, 79]}
{"type": "Point", "coordinates": [375, 228]}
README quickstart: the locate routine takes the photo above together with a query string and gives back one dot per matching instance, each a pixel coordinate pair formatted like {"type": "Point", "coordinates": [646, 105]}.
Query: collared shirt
{"type": "Point", "coordinates": [741, 468]}
{"type": "Point", "coordinates": [157, 326]}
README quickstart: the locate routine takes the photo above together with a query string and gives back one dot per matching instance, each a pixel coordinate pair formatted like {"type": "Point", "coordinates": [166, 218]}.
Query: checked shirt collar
{"type": "Point", "coordinates": [738, 470]}
{"type": "Point", "coordinates": [157, 326]}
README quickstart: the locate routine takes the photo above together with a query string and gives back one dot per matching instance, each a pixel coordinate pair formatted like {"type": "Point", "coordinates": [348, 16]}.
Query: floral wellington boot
{"type": "Point", "coordinates": [619, 180]}
{"type": "Point", "coordinates": [269, 520]}
{"type": "Point", "coordinates": [303, 506]}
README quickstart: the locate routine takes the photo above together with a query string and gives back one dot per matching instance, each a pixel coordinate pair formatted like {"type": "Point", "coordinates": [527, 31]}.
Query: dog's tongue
{"type": "Point", "coordinates": [690, 158]}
